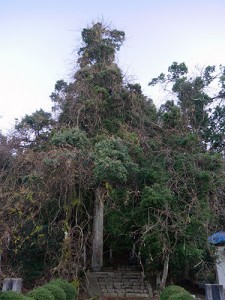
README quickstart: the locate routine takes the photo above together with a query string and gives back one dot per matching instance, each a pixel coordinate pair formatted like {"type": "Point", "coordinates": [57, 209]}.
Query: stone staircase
{"type": "Point", "coordinates": [118, 285]}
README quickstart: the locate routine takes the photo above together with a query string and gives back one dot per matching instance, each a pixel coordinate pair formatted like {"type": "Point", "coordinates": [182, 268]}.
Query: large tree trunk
{"type": "Point", "coordinates": [165, 273]}
{"type": "Point", "coordinates": [97, 246]}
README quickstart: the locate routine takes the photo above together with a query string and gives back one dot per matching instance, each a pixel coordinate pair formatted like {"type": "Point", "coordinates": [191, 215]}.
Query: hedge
{"type": "Point", "coordinates": [171, 291]}
{"type": "Point", "coordinates": [181, 296]}
{"type": "Point", "coordinates": [41, 293]}
{"type": "Point", "coordinates": [69, 289]}
{"type": "Point", "coordinates": [13, 296]}
{"type": "Point", "coordinates": [56, 291]}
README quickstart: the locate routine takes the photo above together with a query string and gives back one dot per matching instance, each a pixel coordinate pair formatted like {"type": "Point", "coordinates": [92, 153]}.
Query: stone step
{"type": "Point", "coordinates": [119, 284]}
{"type": "Point", "coordinates": [114, 273]}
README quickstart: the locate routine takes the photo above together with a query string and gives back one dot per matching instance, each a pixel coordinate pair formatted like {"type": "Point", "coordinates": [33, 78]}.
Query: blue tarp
{"type": "Point", "coordinates": [217, 238]}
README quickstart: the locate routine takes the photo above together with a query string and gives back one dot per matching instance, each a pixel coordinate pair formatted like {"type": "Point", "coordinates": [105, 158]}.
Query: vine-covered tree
{"type": "Point", "coordinates": [99, 103]}
{"type": "Point", "coordinates": [112, 168]}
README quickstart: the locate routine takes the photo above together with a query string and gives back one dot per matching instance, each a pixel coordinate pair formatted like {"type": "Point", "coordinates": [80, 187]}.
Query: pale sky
{"type": "Point", "coordinates": [39, 40]}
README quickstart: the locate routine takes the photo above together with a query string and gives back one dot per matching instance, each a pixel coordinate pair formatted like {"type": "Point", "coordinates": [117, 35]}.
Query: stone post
{"type": "Point", "coordinates": [12, 284]}
{"type": "Point", "coordinates": [214, 292]}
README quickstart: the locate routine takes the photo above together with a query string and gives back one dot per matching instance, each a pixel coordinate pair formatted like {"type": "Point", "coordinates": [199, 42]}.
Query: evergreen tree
{"type": "Point", "coordinates": [100, 104]}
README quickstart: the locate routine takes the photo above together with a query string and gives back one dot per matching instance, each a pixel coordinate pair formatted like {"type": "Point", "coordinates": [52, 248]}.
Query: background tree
{"type": "Point", "coordinates": [34, 129]}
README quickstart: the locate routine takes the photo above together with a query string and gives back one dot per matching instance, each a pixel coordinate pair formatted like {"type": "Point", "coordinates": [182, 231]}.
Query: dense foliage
{"type": "Point", "coordinates": [158, 173]}
{"type": "Point", "coordinates": [56, 291]}
{"type": "Point", "coordinates": [41, 293]}
{"type": "Point", "coordinates": [13, 296]}
{"type": "Point", "coordinates": [175, 292]}
{"type": "Point", "coordinates": [68, 288]}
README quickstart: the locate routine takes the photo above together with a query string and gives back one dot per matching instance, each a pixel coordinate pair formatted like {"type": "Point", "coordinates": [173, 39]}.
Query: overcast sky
{"type": "Point", "coordinates": [39, 40]}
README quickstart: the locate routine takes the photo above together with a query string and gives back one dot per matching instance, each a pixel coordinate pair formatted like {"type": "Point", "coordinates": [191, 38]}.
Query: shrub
{"type": "Point", "coordinates": [12, 296]}
{"type": "Point", "coordinates": [74, 137]}
{"type": "Point", "coordinates": [171, 290]}
{"type": "Point", "coordinates": [69, 289]}
{"type": "Point", "coordinates": [56, 291]}
{"type": "Point", "coordinates": [41, 293]}
{"type": "Point", "coordinates": [181, 296]}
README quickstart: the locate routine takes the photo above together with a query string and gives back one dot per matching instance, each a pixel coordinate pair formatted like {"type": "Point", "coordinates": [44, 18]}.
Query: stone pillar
{"type": "Point", "coordinates": [17, 284]}
{"type": "Point", "coordinates": [220, 265]}
{"type": "Point", "coordinates": [214, 292]}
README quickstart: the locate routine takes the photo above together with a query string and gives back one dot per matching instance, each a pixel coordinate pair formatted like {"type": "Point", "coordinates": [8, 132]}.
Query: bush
{"type": "Point", "coordinates": [41, 293]}
{"type": "Point", "coordinates": [170, 291]}
{"type": "Point", "coordinates": [56, 291]}
{"type": "Point", "coordinates": [181, 296]}
{"type": "Point", "coordinates": [69, 289]}
{"type": "Point", "coordinates": [12, 296]}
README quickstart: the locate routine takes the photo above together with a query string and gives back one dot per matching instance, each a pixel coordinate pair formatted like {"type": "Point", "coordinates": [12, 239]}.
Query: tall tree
{"type": "Point", "coordinates": [99, 102]}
